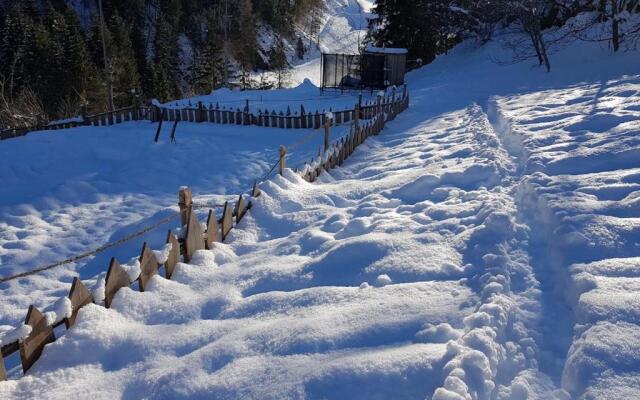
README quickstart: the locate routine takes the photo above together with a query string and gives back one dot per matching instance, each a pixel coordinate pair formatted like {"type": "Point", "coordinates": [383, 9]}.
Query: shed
{"type": "Point", "coordinates": [382, 67]}
{"type": "Point", "coordinates": [375, 68]}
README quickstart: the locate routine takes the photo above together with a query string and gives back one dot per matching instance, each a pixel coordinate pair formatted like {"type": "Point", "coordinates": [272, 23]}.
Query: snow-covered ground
{"type": "Point", "coordinates": [343, 29]}
{"type": "Point", "coordinates": [580, 151]}
{"type": "Point", "coordinates": [484, 246]}
{"type": "Point", "coordinates": [67, 192]}
{"type": "Point", "coordinates": [290, 100]}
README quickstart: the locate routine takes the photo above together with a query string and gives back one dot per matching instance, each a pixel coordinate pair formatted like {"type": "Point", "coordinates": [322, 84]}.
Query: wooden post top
{"type": "Point", "coordinates": [185, 197]}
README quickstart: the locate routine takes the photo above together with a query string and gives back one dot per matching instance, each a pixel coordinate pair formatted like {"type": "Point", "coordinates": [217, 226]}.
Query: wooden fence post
{"type": "Point", "coordinates": [79, 296]}
{"type": "Point", "coordinates": [327, 127]}
{"type": "Point", "coordinates": [185, 201]}
{"type": "Point", "coordinates": [159, 125]}
{"type": "Point", "coordinates": [227, 220]}
{"type": "Point", "coordinates": [241, 209]}
{"type": "Point", "coordinates": [148, 266]}
{"type": "Point", "coordinates": [212, 230]}
{"type": "Point", "coordinates": [199, 113]}
{"type": "Point", "coordinates": [283, 161]}
{"type": "Point", "coordinates": [116, 278]}
{"type": "Point", "coordinates": [41, 335]}
{"type": "Point", "coordinates": [3, 371]}
{"type": "Point", "coordinates": [174, 255]}
{"type": "Point", "coordinates": [194, 239]}
{"type": "Point", "coordinates": [247, 119]}
{"type": "Point", "coordinates": [255, 191]}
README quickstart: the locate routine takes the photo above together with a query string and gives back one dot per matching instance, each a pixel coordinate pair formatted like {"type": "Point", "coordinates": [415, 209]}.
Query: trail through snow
{"type": "Point", "coordinates": [483, 246]}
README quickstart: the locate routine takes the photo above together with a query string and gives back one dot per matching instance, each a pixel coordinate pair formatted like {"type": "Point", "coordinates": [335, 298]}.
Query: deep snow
{"type": "Point", "coordinates": [87, 186]}
{"type": "Point", "coordinates": [483, 246]}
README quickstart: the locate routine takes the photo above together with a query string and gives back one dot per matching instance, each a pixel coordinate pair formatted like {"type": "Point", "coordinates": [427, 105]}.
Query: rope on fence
{"type": "Point", "coordinates": [92, 252]}
{"type": "Point", "coordinates": [151, 227]}
{"type": "Point", "coordinates": [291, 147]}
{"type": "Point", "coordinates": [108, 245]}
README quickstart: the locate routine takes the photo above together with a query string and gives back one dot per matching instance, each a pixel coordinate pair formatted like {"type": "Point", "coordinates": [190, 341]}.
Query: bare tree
{"type": "Point", "coordinates": [21, 111]}
{"type": "Point", "coordinates": [620, 11]}
{"type": "Point", "coordinates": [529, 14]}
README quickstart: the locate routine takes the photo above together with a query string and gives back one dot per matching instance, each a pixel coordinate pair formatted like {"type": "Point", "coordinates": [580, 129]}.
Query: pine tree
{"type": "Point", "coordinates": [125, 68]}
{"type": "Point", "coordinates": [166, 61]}
{"type": "Point", "coordinates": [208, 66]}
{"type": "Point", "coordinates": [246, 42]}
{"type": "Point", "coordinates": [425, 27]}
{"type": "Point", "coordinates": [300, 50]}
{"type": "Point", "coordinates": [278, 62]}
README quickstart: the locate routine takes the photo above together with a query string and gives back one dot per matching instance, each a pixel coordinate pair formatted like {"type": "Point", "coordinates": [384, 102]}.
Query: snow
{"type": "Point", "coordinates": [163, 255]}
{"type": "Point", "coordinates": [343, 30]}
{"type": "Point", "coordinates": [483, 246]}
{"type": "Point", "coordinates": [87, 186]}
{"type": "Point", "coordinates": [289, 101]}
{"type": "Point", "coordinates": [60, 310]}
{"type": "Point", "coordinates": [385, 50]}
{"type": "Point", "coordinates": [383, 280]}
{"type": "Point", "coordinates": [9, 334]}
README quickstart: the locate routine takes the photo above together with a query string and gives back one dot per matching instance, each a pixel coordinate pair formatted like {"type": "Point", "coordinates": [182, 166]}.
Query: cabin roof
{"type": "Point", "coordinates": [385, 50]}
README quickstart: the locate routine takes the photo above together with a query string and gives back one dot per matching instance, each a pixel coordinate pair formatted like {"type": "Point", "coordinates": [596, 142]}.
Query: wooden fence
{"type": "Point", "coordinates": [228, 116]}
{"type": "Point", "coordinates": [193, 238]}
{"type": "Point", "coordinates": [335, 154]}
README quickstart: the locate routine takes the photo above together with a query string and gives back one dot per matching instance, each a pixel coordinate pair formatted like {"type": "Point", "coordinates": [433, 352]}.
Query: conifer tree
{"type": "Point", "coordinates": [300, 50]}
{"type": "Point", "coordinates": [207, 71]}
{"type": "Point", "coordinates": [278, 62]}
{"type": "Point", "coordinates": [246, 42]}
{"type": "Point", "coordinates": [125, 69]}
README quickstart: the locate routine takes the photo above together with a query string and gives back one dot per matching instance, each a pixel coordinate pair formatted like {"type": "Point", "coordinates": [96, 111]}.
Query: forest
{"type": "Point", "coordinates": [431, 27]}
{"type": "Point", "coordinates": [59, 59]}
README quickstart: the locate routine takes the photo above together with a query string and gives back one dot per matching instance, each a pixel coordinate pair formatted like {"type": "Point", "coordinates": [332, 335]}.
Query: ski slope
{"type": "Point", "coordinates": [483, 246]}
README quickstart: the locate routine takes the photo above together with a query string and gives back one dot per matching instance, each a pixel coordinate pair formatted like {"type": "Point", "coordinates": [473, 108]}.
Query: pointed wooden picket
{"type": "Point", "coordinates": [212, 235]}
{"type": "Point", "coordinates": [3, 371]}
{"type": "Point", "coordinates": [174, 255]}
{"type": "Point", "coordinates": [194, 240]}
{"type": "Point", "coordinates": [255, 191]}
{"type": "Point", "coordinates": [148, 266]}
{"type": "Point", "coordinates": [41, 335]}
{"type": "Point", "coordinates": [227, 221]}
{"type": "Point", "coordinates": [241, 209]}
{"type": "Point", "coordinates": [116, 278]}
{"type": "Point", "coordinates": [79, 296]}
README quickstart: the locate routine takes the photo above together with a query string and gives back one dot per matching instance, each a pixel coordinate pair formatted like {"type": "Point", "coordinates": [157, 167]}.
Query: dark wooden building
{"type": "Point", "coordinates": [382, 67]}
{"type": "Point", "coordinates": [375, 68]}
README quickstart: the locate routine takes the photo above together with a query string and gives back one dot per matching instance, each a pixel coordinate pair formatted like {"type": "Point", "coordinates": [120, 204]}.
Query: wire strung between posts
{"type": "Point", "coordinates": [264, 178]}
{"type": "Point", "coordinates": [108, 245]}
{"type": "Point", "coordinates": [93, 252]}
{"type": "Point", "coordinates": [291, 147]}
{"type": "Point", "coordinates": [151, 227]}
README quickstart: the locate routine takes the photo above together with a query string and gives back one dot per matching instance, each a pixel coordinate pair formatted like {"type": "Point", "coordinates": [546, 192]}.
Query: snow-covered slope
{"type": "Point", "coordinates": [484, 246]}
{"type": "Point", "coordinates": [344, 27]}
{"type": "Point", "coordinates": [67, 192]}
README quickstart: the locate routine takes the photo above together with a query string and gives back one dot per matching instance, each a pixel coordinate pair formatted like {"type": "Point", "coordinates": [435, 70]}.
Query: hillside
{"type": "Point", "coordinates": [59, 58]}
{"type": "Point", "coordinates": [483, 246]}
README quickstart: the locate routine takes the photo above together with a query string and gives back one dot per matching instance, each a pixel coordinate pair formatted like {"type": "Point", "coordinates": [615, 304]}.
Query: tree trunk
{"type": "Point", "coordinates": [615, 30]}
{"type": "Point", "coordinates": [536, 46]}
{"type": "Point", "coordinates": [107, 63]}
{"type": "Point", "coordinates": [543, 51]}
